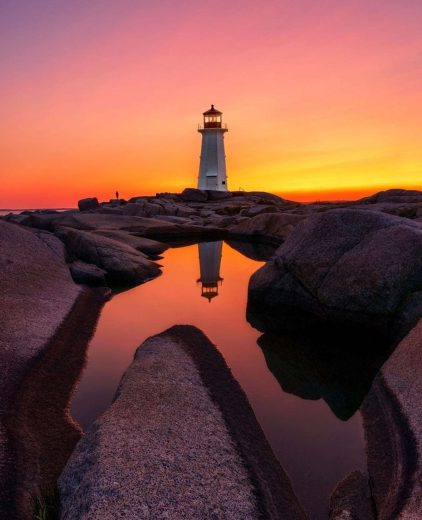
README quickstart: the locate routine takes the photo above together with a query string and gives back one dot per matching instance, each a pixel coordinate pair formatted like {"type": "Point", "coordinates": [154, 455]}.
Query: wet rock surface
{"type": "Point", "coordinates": [188, 446]}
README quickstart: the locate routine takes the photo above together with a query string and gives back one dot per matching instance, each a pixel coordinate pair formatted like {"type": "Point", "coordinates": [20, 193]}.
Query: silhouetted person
{"type": "Point", "coordinates": [117, 195]}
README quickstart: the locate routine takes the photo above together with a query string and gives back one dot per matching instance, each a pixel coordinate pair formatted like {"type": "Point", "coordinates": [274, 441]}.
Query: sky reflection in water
{"type": "Point", "coordinates": [313, 445]}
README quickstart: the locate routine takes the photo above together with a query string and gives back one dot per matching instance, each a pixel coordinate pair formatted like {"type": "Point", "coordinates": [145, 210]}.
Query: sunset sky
{"type": "Point", "coordinates": [323, 98]}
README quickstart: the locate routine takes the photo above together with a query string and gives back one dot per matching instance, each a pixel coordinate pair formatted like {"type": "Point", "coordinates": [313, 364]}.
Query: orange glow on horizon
{"type": "Point", "coordinates": [322, 99]}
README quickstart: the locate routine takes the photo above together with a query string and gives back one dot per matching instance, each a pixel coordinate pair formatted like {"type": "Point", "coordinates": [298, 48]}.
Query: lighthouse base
{"type": "Point", "coordinates": [212, 167]}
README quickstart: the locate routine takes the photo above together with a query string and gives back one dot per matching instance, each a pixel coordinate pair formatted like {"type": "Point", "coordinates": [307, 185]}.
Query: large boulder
{"type": "Point", "coordinates": [42, 352]}
{"type": "Point", "coordinates": [253, 250]}
{"type": "Point", "coordinates": [269, 227]}
{"type": "Point", "coordinates": [88, 274]}
{"type": "Point", "coordinates": [32, 270]}
{"type": "Point", "coordinates": [123, 264]}
{"type": "Point", "coordinates": [218, 195]}
{"type": "Point", "coordinates": [350, 266]}
{"type": "Point", "coordinates": [194, 195]}
{"type": "Point", "coordinates": [144, 245]}
{"type": "Point", "coordinates": [88, 203]}
{"type": "Point", "coordinates": [180, 440]}
{"type": "Point", "coordinates": [392, 418]}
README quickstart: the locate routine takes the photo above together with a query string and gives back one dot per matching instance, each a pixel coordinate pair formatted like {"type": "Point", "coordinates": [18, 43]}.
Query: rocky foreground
{"type": "Point", "coordinates": [46, 322]}
{"type": "Point", "coordinates": [346, 277]}
{"type": "Point", "coordinates": [188, 445]}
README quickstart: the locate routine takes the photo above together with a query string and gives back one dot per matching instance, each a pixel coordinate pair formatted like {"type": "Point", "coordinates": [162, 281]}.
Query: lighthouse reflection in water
{"type": "Point", "coordinates": [209, 264]}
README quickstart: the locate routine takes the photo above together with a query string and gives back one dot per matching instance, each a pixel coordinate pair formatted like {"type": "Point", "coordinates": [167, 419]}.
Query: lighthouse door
{"type": "Point", "coordinates": [212, 182]}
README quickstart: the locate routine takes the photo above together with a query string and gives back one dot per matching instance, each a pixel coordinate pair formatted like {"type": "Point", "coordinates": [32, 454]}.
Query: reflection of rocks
{"type": "Point", "coordinates": [356, 267]}
{"type": "Point", "coordinates": [188, 445]}
{"type": "Point", "coordinates": [254, 250]}
{"type": "Point", "coordinates": [46, 321]}
{"type": "Point", "coordinates": [333, 365]}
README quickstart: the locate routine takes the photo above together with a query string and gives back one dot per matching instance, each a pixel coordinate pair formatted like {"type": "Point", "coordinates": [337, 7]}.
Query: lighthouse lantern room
{"type": "Point", "coordinates": [212, 166]}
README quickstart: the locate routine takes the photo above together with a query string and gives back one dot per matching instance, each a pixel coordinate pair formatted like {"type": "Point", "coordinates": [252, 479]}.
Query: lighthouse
{"type": "Point", "coordinates": [212, 166]}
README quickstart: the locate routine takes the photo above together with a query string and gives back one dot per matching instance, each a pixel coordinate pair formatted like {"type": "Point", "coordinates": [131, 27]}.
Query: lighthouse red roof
{"type": "Point", "coordinates": [212, 112]}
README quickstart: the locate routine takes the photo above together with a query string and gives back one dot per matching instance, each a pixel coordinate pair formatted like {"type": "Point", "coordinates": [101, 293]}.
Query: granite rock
{"type": "Point", "coordinates": [144, 245]}
{"type": "Point", "coordinates": [88, 203]}
{"type": "Point", "coordinates": [88, 274]}
{"type": "Point", "coordinates": [188, 445]}
{"type": "Point", "coordinates": [352, 266]}
{"type": "Point", "coordinates": [392, 418]}
{"type": "Point", "coordinates": [40, 310]}
{"type": "Point", "coordinates": [268, 227]}
{"type": "Point", "coordinates": [194, 195]}
{"type": "Point", "coordinates": [123, 264]}
{"type": "Point", "coordinates": [352, 500]}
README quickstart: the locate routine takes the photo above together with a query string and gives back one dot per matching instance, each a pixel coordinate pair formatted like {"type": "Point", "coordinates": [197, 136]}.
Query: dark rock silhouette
{"type": "Point", "coordinates": [88, 274]}
{"type": "Point", "coordinates": [87, 204]}
{"type": "Point", "coordinates": [218, 195]}
{"type": "Point", "coordinates": [335, 365]}
{"type": "Point", "coordinates": [393, 195]}
{"type": "Point", "coordinates": [253, 250]}
{"type": "Point", "coordinates": [194, 195]}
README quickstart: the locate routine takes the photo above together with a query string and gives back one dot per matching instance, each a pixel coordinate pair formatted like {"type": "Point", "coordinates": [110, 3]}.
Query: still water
{"type": "Point", "coordinates": [206, 285]}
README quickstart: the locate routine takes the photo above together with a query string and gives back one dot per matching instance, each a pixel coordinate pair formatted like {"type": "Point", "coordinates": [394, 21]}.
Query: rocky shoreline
{"type": "Point", "coordinates": [42, 353]}
{"type": "Point", "coordinates": [352, 267]}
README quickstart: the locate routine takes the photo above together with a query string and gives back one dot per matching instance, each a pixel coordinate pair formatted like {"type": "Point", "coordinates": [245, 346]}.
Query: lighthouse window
{"type": "Point", "coordinates": [224, 182]}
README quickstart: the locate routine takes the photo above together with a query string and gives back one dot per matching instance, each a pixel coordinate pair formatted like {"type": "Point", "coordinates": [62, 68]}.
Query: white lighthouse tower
{"type": "Point", "coordinates": [212, 166]}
